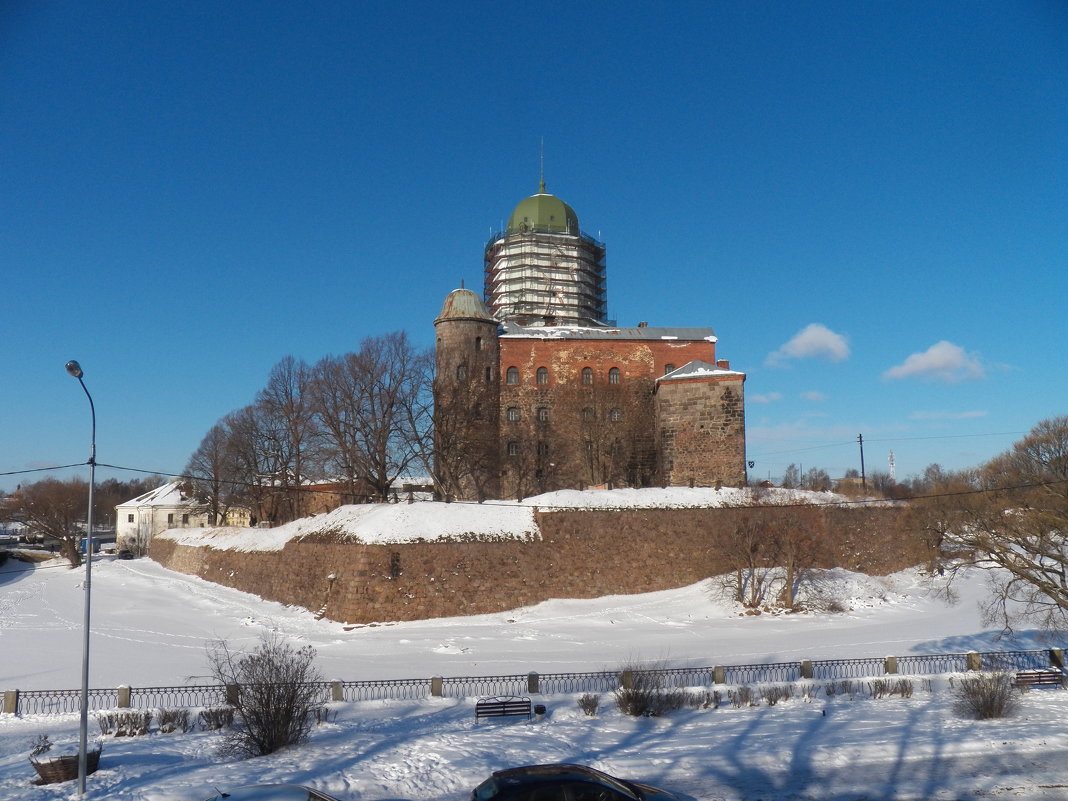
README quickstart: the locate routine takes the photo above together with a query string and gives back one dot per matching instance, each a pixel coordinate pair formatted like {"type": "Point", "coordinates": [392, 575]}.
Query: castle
{"type": "Point", "coordinates": [536, 391]}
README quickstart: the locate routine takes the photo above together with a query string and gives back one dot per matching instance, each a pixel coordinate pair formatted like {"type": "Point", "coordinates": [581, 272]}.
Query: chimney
{"type": "Point", "coordinates": [642, 324]}
{"type": "Point", "coordinates": [723, 364]}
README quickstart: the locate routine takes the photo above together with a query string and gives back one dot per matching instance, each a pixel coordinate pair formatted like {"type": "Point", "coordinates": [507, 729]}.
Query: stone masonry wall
{"type": "Point", "coordinates": [581, 554]}
{"type": "Point", "coordinates": [701, 431]}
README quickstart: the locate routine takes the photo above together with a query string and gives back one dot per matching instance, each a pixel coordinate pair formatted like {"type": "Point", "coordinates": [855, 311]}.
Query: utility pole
{"type": "Point", "coordinates": [863, 478]}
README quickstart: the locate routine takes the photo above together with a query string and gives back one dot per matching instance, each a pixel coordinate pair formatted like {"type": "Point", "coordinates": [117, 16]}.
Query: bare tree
{"type": "Point", "coordinates": [213, 471]}
{"type": "Point", "coordinates": [288, 434]}
{"type": "Point", "coordinates": [1017, 527]}
{"type": "Point", "coordinates": [374, 410]}
{"type": "Point", "coordinates": [53, 509]}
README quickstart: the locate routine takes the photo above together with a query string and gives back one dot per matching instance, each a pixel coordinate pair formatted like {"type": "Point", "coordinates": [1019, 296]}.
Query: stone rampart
{"type": "Point", "coordinates": [579, 554]}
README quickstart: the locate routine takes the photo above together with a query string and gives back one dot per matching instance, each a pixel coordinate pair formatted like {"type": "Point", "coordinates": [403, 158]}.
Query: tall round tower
{"type": "Point", "coordinates": [467, 398]}
{"type": "Point", "coordinates": [542, 270]}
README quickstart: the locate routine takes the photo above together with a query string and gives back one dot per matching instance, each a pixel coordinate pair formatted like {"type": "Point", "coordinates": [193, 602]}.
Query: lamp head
{"type": "Point", "coordinates": [74, 369]}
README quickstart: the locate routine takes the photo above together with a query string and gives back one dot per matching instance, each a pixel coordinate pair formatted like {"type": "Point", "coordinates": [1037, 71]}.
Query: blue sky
{"type": "Point", "coordinates": [868, 202]}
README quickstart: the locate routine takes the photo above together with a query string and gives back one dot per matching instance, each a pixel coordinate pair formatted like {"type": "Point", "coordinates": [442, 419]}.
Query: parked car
{"type": "Point", "coordinates": [563, 782]}
{"type": "Point", "coordinates": [272, 792]}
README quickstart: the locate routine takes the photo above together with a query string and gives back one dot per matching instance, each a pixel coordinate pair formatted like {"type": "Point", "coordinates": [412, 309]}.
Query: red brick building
{"type": "Point", "coordinates": [537, 393]}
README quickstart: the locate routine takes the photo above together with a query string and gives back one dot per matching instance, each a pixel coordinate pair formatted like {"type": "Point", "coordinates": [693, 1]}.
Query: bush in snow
{"type": "Point", "coordinates": [987, 695]}
{"type": "Point", "coordinates": [215, 718]}
{"type": "Point", "coordinates": [775, 693]}
{"type": "Point", "coordinates": [171, 720]}
{"type": "Point", "coordinates": [644, 693]}
{"type": "Point", "coordinates": [588, 703]}
{"type": "Point", "coordinates": [279, 691]}
{"type": "Point", "coordinates": [124, 724]}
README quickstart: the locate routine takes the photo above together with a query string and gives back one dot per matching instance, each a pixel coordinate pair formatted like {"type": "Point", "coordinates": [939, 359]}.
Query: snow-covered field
{"type": "Point", "coordinates": [150, 628]}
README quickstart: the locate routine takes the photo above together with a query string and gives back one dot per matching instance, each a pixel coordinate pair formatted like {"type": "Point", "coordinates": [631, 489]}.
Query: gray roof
{"type": "Point", "coordinates": [697, 369]}
{"type": "Point", "coordinates": [509, 329]}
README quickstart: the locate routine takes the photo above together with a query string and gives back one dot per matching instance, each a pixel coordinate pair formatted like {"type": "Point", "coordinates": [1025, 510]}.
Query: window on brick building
{"type": "Point", "coordinates": [512, 414]}
{"type": "Point", "coordinates": [511, 376]}
{"type": "Point", "coordinates": [489, 375]}
{"type": "Point", "coordinates": [513, 448]}
{"type": "Point", "coordinates": [613, 375]}
{"type": "Point", "coordinates": [478, 343]}
{"type": "Point", "coordinates": [543, 375]}
{"type": "Point", "coordinates": [587, 413]}
{"type": "Point", "coordinates": [461, 372]}
{"type": "Point", "coordinates": [669, 368]}
{"type": "Point", "coordinates": [543, 449]}
{"type": "Point", "coordinates": [615, 415]}
{"type": "Point", "coordinates": [587, 376]}
{"type": "Point", "coordinates": [543, 414]}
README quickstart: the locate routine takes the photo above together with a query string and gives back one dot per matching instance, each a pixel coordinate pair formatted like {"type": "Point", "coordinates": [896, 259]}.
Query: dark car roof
{"type": "Point", "coordinates": [535, 774]}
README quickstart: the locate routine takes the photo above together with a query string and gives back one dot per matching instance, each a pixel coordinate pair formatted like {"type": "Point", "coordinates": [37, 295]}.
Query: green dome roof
{"type": "Point", "coordinates": [545, 213]}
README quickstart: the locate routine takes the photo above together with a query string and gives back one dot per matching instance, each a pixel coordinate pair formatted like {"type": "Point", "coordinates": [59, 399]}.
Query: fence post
{"type": "Point", "coordinates": [532, 683]}
{"type": "Point", "coordinates": [719, 675]}
{"type": "Point", "coordinates": [626, 679]}
{"type": "Point", "coordinates": [436, 686]}
{"type": "Point", "coordinates": [806, 668]}
{"type": "Point", "coordinates": [890, 664]}
{"type": "Point", "coordinates": [336, 691]}
{"type": "Point", "coordinates": [232, 693]}
{"type": "Point", "coordinates": [123, 697]}
{"type": "Point", "coordinates": [11, 702]}
{"type": "Point", "coordinates": [975, 661]}
{"type": "Point", "coordinates": [1056, 658]}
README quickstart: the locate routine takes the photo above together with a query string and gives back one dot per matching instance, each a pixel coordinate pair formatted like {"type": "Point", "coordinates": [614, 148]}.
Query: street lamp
{"type": "Point", "coordinates": [75, 370]}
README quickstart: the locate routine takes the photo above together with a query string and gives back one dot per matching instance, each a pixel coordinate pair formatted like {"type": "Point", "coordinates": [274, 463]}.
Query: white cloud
{"type": "Point", "coordinates": [770, 397]}
{"type": "Point", "coordinates": [943, 361]}
{"type": "Point", "coordinates": [815, 340]}
{"type": "Point", "coordinates": [814, 395]}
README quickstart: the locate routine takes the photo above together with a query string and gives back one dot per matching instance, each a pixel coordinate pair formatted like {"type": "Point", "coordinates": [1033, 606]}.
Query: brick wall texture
{"type": "Point", "coordinates": [579, 554]}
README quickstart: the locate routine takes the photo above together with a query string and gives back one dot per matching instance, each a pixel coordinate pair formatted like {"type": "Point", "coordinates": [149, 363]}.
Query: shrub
{"type": "Point", "coordinates": [171, 720]}
{"type": "Point", "coordinates": [124, 724]}
{"type": "Point", "coordinates": [743, 696]}
{"type": "Point", "coordinates": [215, 718]}
{"type": "Point", "coordinates": [279, 690]}
{"type": "Point", "coordinates": [987, 695]}
{"type": "Point", "coordinates": [40, 745]}
{"type": "Point", "coordinates": [644, 694]}
{"type": "Point", "coordinates": [588, 703]}
{"type": "Point", "coordinates": [702, 699]}
{"type": "Point", "coordinates": [775, 693]}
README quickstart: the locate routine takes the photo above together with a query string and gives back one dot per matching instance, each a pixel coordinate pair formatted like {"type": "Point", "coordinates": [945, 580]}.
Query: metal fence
{"type": "Point", "coordinates": [57, 702]}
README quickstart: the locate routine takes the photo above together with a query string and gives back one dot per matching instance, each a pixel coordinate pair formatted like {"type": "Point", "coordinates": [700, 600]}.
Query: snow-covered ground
{"type": "Point", "coordinates": [150, 627]}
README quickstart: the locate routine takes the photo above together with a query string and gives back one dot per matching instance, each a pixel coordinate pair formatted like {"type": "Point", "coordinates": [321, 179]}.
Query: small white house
{"type": "Point", "coordinates": [169, 506]}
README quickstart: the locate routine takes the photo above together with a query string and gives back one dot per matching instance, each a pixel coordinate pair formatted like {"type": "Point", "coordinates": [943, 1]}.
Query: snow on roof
{"type": "Point", "coordinates": [169, 494]}
{"type": "Point", "coordinates": [382, 523]}
{"type": "Point", "coordinates": [516, 331]}
{"type": "Point", "coordinates": [697, 369]}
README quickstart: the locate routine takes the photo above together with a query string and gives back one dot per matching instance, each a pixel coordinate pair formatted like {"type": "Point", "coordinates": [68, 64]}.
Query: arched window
{"type": "Point", "coordinates": [512, 414]}
{"type": "Point", "coordinates": [613, 375]}
{"type": "Point", "coordinates": [513, 448]}
{"type": "Point", "coordinates": [587, 376]}
{"type": "Point", "coordinates": [615, 415]}
{"type": "Point", "coordinates": [587, 413]}
{"type": "Point", "coordinates": [543, 414]}
{"type": "Point", "coordinates": [543, 375]}
{"type": "Point", "coordinates": [512, 375]}
{"type": "Point", "coordinates": [478, 343]}
{"type": "Point", "coordinates": [489, 375]}
{"type": "Point", "coordinates": [461, 372]}
{"type": "Point", "coordinates": [669, 368]}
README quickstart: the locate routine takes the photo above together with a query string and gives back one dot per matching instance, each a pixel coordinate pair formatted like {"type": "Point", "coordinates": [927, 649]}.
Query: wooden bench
{"type": "Point", "coordinates": [502, 707]}
{"type": "Point", "coordinates": [1039, 678]}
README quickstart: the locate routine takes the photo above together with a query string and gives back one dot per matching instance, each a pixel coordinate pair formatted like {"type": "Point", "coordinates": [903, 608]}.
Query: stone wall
{"type": "Point", "coordinates": [700, 426]}
{"type": "Point", "coordinates": [580, 554]}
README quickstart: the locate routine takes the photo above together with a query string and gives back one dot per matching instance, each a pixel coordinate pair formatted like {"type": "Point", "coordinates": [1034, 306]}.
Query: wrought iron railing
{"type": "Point", "coordinates": [57, 702]}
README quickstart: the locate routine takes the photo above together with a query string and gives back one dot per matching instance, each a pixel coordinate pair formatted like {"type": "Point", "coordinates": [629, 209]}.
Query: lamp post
{"type": "Point", "coordinates": [75, 370]}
